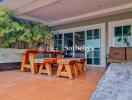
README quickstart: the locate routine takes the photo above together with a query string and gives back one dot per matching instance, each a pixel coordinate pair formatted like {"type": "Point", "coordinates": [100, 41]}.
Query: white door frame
{"type": "Point", "coordinates": [112, 25]}
{"type": "Point", "coordinates": [85, 28]}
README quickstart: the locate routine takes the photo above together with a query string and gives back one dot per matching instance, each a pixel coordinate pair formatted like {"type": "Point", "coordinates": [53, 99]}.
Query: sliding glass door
{"type": "Point", "coordinates": [93, 44]}
{"type": "Point", "coordinates": [84, 42]}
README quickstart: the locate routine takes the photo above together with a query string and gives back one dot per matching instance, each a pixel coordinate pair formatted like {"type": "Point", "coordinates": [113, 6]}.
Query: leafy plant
{"type": "Point", "coordinates": [22, 33]}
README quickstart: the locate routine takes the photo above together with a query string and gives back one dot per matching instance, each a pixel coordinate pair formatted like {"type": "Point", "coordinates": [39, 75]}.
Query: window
{"type": "Point", "coordinates": [123, 36]}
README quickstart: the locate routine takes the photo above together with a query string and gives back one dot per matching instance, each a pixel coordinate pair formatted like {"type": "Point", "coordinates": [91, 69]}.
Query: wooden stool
{"type": "Point", "coordinates": [45, 68]}
{"type": "Point", "coordinates": [66, 68]}
{"type": "Point", "coordinates": [45, 65]}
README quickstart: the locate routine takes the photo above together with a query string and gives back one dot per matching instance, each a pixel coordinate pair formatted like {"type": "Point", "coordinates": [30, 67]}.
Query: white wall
{"type": "Point", "coordinates": [8, 55]}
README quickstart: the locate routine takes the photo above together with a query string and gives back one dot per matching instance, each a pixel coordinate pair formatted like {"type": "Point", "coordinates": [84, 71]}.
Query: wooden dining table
{"type": "Point", "coordinates": [29, 55]}
{"type": "Point", "coordinates": [53, 53]}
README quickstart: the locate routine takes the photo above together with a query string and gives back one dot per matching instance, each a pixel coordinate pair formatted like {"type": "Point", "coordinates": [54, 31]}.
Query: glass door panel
{"type": "Point", "coordinates": [58, 42]}
{"type": "Point", "coordinates": [93, 44]}
{"type": "Point", "coordinates": [68, 45]}
{"type": "Point", "coordinates": [79, 44]}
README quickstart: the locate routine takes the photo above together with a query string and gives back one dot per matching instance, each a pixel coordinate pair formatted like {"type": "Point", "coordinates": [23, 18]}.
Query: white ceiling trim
{"type": "Point", "coordinates": [34, 5]}
{"type": "Point", "coordinates": [99, 13]}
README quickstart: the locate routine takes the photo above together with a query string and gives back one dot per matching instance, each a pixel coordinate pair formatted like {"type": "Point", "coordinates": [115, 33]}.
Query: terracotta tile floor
{"type": "Point", "coordinates": [15, 85]}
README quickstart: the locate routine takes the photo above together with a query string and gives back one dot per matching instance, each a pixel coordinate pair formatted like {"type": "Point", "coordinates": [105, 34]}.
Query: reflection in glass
{"type": "Point", "coordinates": [123, 36]}
{"type": "Point", "coordinates": [58, 42]}
{"type": "Point", "coordinates": [68, 44]}
{"type": "Point", "coordinates": [118, 31]}
{"type": "Point", "coordinates": [89, 53]}
{"type": "Point", "coordinates": [89, 60]}
{"type": "Point", "coordinates": [79, 43]}
{"type": "Point", "coordinates": [96, 32]}
{"type": "Point", "coordinates": [89, 33]}
{"type": "Point", "coordinates": [96, 53]}
{"type": "Point", "coordinates": [96, 41]}
{"type": "Point", "coordinates": [96, 61]}
{"type": "Point", "coordinates": [89, 42]}
{"type": "Point", "coordinates": [127, 30]}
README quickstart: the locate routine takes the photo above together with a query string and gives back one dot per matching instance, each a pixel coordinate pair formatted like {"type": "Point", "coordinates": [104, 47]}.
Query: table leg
{"type": "Point", "coordinates": [32, 65]}
{"type": "Point", "coordinates": [41, 68]}
{"type": "Point", "coordinates": [24, 61]}
{"type": "Point", "coordinates": [60, 66]}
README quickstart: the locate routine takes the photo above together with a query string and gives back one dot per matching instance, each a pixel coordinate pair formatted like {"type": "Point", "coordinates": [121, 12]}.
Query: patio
{"type": "Point", "coordinates": [61, 49]}
{"type": "Point", "coordinates": [26, 86]}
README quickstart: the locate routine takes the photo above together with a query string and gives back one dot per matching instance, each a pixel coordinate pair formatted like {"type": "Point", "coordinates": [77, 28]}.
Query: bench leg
{"type": "Point", "coordinates": [69, 71]}
{"type": "Point", "coordinates": [75, 69]}
{"type": "Point", "coordinates": [84, 68]}
{"type": "Point", "coordinates": [41, 68]}
{"type": "Point", "coordinates": [59, 70]}
{"type": "Point", "coordinates": [49, 69]}
{"type": "Point", "coordinates": [80, 67]}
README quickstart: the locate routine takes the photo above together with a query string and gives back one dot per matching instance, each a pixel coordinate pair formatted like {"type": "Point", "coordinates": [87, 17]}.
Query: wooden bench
{"type": "Point", "coordinates": [67, 68]}
{"type": "Point", "coordinates": [45, 65]}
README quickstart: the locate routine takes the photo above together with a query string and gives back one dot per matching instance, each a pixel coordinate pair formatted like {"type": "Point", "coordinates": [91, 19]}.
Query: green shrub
{"type": "Point", "coordinates": [22, 34]}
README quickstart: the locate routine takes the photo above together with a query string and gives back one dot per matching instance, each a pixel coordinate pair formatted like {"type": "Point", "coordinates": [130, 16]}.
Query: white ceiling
{"type": "Point", "coordinates": [14, 4]}
{"type": "Point", "coordinates": [55, 12]}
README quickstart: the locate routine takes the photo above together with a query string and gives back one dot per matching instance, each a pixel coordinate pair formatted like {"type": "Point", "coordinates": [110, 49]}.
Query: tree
{"type": "Point", "coordinates": [22, 34]}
